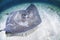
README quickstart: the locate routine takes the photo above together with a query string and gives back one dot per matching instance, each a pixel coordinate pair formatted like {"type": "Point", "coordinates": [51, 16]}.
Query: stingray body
{"type": "Point", "coordinates": [22, 20]}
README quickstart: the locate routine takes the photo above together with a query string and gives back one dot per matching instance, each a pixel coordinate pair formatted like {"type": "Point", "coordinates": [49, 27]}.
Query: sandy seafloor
{"type": "Point", "coordinates": [49, 29]}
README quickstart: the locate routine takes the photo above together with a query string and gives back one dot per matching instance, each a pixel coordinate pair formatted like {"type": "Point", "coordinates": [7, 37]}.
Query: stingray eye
{"type": "Point", "coordinates": [23, 14]}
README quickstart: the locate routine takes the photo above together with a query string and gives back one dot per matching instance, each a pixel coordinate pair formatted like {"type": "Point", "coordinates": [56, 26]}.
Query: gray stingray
{"type": "Point", "coordinates": [22, 20]}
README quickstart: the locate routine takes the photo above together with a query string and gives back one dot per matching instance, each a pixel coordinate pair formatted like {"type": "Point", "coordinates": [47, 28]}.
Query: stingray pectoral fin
{"type": "Point", "coordinates": [32, 9]}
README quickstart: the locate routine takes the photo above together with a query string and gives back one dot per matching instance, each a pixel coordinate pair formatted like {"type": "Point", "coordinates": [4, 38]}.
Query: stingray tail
{"type": "Point", "coordinates": [2, 30]}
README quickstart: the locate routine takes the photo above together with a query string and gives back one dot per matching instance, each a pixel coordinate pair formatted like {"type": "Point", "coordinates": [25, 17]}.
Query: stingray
{"type": "Point", "coordinates": [21, 21]}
